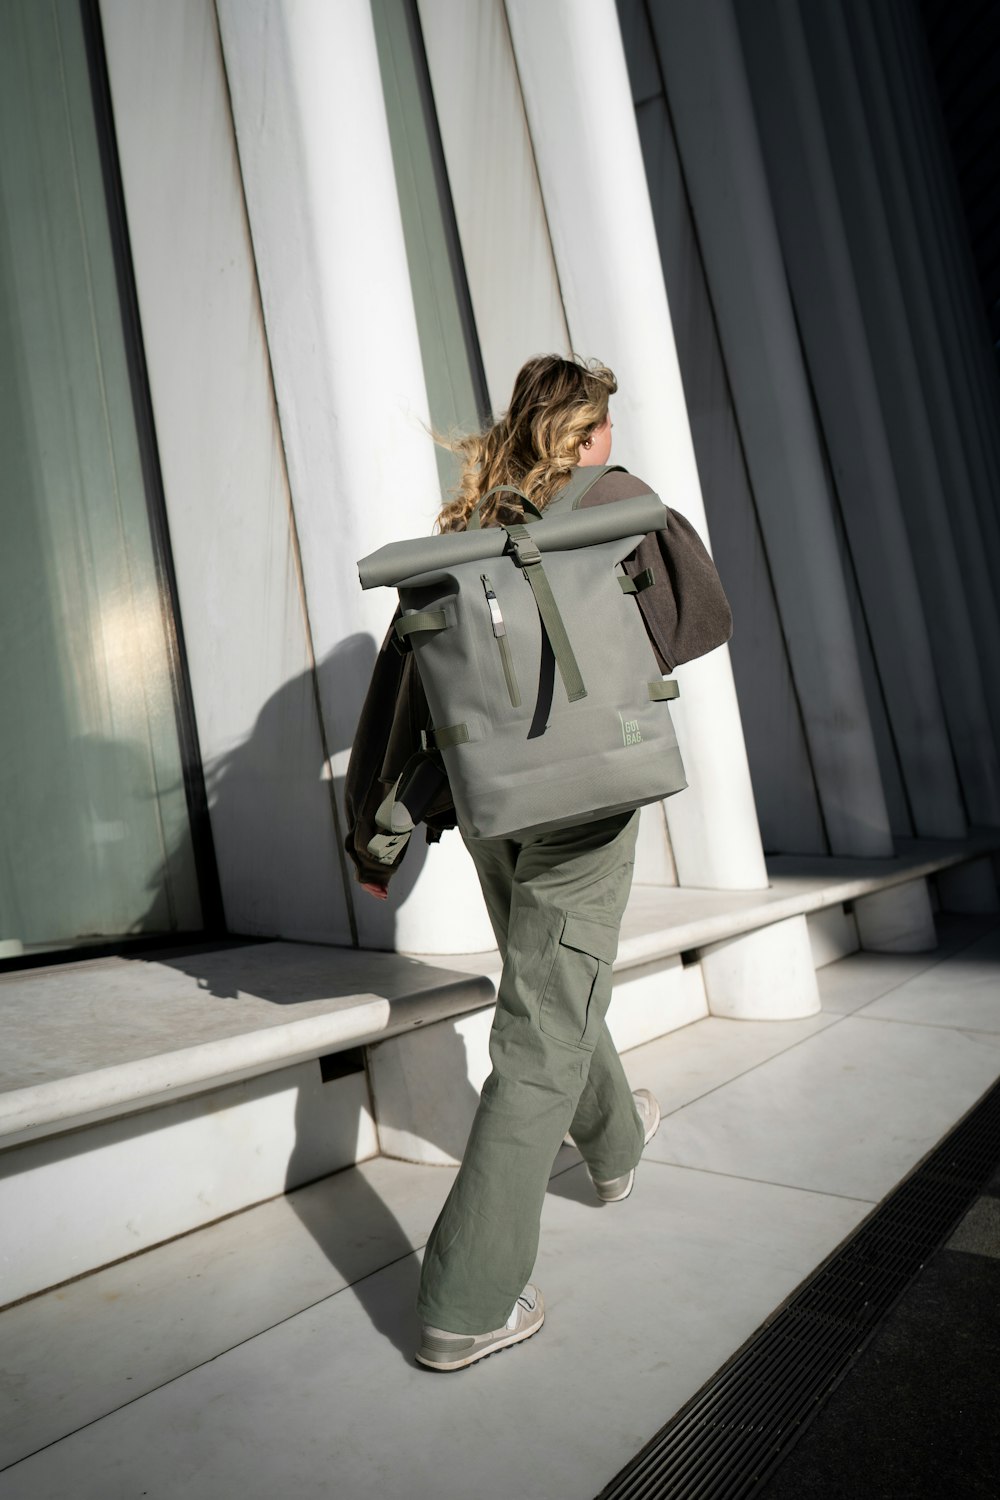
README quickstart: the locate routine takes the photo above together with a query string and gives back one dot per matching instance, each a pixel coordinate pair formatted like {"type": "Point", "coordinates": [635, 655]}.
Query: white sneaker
{"type": "Point", "coordinates": [440, 1350]}
{"type": "Point", "coordinates": [649, 1113]}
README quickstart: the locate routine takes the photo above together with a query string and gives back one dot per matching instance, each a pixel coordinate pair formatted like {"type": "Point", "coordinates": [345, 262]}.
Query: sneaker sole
{"type": "Point", "coordinates": [618, 1197]}
{"type": "Point", "coordinates": [474, 1358]}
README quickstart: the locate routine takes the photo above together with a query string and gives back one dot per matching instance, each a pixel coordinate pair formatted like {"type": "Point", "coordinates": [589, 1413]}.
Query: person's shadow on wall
{"type": "Point", "coordinates": [354, 1226]}
{"type": "Point", "coordinates": [340, 1223]}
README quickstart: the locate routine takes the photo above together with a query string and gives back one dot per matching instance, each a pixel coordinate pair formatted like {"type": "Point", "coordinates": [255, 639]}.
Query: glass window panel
{"type": "Point", "coordinates": [95, 836]}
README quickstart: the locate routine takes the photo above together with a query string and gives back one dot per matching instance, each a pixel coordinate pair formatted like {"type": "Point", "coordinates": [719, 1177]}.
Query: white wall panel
{"type": "Point", "coordinates": [938, 361]}
{"type": "Point", "coordinates": [948, 816]}
{"type": "Point", "coordinates": [699, 51]}
{"type": "Point", "coordinates": [905, 411]}
{"type": "Point", "coordinates": [226, 492]}
{"type": "Point", "coordinates": [784, 789]}
{"type": "Point", "coordinates": [963, 275]}
{"type": "Point", "coordinates": [494, 185]}
{"type": "Point", "coordinates": [898, 662]}
{"type": "Point", "coordinates": [941, 222]}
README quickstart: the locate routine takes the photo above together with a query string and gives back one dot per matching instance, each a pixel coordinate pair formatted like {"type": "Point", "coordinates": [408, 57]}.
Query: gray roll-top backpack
{"type": "Point", "coordinates": [547, 703]}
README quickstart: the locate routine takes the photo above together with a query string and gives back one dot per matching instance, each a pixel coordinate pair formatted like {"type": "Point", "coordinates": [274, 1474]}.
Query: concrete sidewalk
{"type": "Point", "coordinates": [273, 1351]}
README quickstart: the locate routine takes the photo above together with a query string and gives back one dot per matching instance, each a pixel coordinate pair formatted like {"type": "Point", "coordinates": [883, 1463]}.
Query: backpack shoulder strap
{"type": "Point", "coordinates": [580, 482]}
{"type": "Point", "coordinates": [474, 523]}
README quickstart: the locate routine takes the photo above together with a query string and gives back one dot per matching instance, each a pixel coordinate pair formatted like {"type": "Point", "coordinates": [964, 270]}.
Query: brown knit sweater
{"type": "Point", "coordinates": [685, 612]}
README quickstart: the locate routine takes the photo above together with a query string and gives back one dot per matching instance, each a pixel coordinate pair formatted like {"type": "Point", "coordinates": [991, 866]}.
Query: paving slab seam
{"type": "Point", "coordinates": [933, 962]}
{"type": "Point", "coordinates": [202, 1363]}
{"type": "Point", "coordinates": [790, 1187]}
{"type": "Point", "coordinates": [752, 1067]}
{"type": "Point", "coordinates": [810, 1036]}
{"type": "Point", "coordinates": [859, 1015]}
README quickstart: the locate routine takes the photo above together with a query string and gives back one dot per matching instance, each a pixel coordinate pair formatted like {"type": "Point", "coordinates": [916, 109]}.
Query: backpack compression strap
{"type": "Point", "coordinates": [529, 559]}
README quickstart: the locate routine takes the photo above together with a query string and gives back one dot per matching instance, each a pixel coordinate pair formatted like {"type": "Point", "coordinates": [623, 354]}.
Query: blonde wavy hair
{"type": "Point", "coordinates": [555, 405]}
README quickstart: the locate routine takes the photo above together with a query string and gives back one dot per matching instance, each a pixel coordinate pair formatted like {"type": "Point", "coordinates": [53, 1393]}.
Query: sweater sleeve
{"type": "Point", "coordinates": [388, 733]}
{"type": "Point", "coordinates": [363, 788]}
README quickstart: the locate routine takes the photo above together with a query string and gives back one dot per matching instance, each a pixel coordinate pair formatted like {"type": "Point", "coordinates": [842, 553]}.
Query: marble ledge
{"type": "Point", "coordinates": [85, 1097]}
{"type": "Point", "coordinates": [109, 1038]}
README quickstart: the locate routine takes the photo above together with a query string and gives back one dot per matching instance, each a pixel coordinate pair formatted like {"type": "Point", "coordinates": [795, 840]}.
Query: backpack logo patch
{"type": "Point", "coordinates": [630, 731]}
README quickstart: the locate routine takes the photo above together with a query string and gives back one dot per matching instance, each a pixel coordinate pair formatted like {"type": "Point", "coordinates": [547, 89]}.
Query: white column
{"type": "Point", "coordinates": [579, 109]}
{"type": "Point", "coordinates": [713, 117]}
{"type": "Point", "coordinates": [818, 263]}
{"type": "Point", "coordinates": [328, 242]}
{"type": "Point", "coordinates": [905, 408]}
{"type": "Point", "coordinates": [766, 975]}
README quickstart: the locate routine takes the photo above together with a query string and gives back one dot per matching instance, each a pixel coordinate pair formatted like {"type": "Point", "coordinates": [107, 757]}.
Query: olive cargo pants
{"type": "Point", "coordinates": [556, 902]}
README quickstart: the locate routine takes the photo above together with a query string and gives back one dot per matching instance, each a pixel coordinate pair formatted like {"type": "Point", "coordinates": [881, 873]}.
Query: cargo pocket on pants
{"type": "Point", "coordinates": [583, 960]}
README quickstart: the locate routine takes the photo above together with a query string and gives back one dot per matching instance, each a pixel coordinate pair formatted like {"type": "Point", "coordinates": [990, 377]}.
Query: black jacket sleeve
{"type": "Point", "coordinates": [388, 733]}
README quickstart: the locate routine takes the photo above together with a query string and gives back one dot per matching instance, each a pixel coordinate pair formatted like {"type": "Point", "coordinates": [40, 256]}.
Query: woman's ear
{"type": "Point", "coordinates": [596, 446]}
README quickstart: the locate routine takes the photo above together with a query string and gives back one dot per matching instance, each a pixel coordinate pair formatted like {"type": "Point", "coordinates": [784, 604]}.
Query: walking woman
{"type": "Point", "coordinates": [555, 899]}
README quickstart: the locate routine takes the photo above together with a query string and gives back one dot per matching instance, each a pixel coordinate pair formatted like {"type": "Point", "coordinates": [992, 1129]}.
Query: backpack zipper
{"type": "Point", "coordinates": [500, 636]}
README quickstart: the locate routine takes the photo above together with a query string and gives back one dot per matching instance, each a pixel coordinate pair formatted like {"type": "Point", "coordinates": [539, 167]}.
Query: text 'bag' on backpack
{"type": "Point", "coordinates": [547, 704]}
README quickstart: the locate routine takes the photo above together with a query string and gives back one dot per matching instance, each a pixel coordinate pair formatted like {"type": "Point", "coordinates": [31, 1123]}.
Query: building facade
{"type": "Point", "coordinates": [255, 254]}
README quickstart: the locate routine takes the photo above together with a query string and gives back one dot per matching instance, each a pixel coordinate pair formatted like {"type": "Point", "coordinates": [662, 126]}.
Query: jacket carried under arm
{"type": "Point", "coordinates": [388, 733]}
{"type": "Point", "coordinates": [686, 612]}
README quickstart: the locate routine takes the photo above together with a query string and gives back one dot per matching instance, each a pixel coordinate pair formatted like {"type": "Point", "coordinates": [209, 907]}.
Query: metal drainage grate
{"type": "Point", "coordinates": [736, 1430]}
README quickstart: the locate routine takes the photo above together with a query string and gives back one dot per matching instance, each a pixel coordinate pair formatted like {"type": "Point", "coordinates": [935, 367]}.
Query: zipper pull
{"type": "Point", "coordinates": [499, 628]}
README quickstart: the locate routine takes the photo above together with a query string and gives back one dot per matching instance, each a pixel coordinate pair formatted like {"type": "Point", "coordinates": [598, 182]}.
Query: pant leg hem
{"type": "Point", "coordinates": [448, 1323]}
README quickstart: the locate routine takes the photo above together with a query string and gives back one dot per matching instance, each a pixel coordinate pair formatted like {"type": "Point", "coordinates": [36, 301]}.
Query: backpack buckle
{"type": "Point", "coordinates": [525, 551]}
